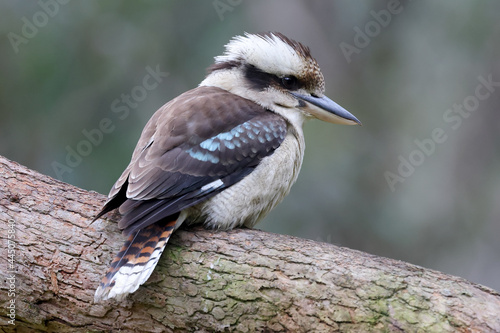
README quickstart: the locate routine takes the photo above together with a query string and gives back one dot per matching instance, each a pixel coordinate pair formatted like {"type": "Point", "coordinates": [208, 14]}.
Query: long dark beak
{"type": "Point", "coordinates": [325, 109]}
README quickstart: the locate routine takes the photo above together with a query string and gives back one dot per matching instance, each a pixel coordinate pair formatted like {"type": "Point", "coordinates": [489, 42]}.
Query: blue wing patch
{"type": "Point", "coordinates": [248, 133]}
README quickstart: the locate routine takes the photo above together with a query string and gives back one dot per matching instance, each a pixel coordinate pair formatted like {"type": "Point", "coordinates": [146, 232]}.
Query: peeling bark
{"type": "Point", "coordinates": [242, 280]}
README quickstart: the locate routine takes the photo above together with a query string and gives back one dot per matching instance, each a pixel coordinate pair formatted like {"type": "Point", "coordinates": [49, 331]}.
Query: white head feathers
{"type": "Point", "coordinates": [271, 52]}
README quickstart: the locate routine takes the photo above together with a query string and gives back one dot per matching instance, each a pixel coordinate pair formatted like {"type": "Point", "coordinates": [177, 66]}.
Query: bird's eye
{"type": "Point", "coordinates": [290, 82]}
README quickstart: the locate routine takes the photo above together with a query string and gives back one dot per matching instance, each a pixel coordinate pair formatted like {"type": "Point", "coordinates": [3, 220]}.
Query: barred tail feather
{"type": "Point", "coordinates": [135, 262]}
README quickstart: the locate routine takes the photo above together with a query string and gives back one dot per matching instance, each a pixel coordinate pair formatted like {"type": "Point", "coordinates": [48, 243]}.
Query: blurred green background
{"type": "Point", "coordinates": [406, 70]}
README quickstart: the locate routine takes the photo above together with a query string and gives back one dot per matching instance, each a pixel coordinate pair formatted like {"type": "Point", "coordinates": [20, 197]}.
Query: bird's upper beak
{"type": "Point", "coordinates": [325, 109]}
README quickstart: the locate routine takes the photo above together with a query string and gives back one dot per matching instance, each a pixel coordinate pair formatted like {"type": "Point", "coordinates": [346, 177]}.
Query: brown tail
{"type": "Point", "coordinates": [135, 262]}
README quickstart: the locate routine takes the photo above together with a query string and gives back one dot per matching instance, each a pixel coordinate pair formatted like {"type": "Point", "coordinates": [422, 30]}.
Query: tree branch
{"type": "Point", "coordinates": [242, 280]}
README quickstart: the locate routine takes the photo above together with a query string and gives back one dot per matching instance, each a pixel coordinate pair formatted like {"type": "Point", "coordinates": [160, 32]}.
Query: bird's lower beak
{"type": "Point", "coordinates": [325, 109]}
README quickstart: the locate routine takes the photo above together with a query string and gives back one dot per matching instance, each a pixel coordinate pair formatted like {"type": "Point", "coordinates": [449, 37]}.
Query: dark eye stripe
{"type": "Point", "coordinates": [260, 80]}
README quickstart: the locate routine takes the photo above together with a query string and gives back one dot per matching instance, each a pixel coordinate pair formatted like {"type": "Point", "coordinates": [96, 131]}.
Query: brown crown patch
{"type": "Point", "coordinates": [313, 78]}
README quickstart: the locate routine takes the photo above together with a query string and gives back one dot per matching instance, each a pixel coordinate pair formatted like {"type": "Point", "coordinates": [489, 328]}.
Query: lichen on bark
{"type": "Point", "coordinates": [242, 280]}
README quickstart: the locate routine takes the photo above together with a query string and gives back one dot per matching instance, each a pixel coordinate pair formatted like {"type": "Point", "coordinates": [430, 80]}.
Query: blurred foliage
{"type": "Point", "coordinates": [60, 79]}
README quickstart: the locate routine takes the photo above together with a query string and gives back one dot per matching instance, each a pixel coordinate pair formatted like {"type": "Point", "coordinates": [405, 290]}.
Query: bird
{"type": "Point", "coordinates": [221, 155]}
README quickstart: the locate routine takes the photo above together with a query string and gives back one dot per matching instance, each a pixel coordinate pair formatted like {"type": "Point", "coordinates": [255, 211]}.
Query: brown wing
{"type": "Point", "coordinates": [203, 141]}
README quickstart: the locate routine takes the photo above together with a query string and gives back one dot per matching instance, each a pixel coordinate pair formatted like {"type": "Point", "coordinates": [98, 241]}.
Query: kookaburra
{"type": "Point", "coordinates": [222, 154]}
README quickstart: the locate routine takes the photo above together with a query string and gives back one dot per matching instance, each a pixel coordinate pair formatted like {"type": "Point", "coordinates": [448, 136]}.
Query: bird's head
{"type": "Point", "coordinates": [278, 73]}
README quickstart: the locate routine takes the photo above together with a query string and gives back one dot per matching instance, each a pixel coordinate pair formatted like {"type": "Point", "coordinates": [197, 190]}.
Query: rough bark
{"type": "Point", "coordinates": [242, 280]}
